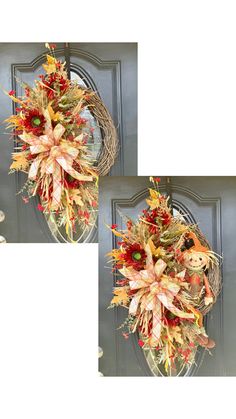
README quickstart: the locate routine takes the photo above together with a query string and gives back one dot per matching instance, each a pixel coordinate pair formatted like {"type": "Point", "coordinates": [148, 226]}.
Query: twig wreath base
{"type": "Point", "coordinates": [109, 150]}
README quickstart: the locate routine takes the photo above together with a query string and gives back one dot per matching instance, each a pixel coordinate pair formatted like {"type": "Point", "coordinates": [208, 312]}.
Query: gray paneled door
{"type": "Point", "coordinates": [209, 201]}
{"type": "Point", "coordinates": [110, 69]}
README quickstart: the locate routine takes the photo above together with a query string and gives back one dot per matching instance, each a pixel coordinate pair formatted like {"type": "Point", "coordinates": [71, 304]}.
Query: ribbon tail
{"type": "Point", "coordinates": [57, 187]}
{"type": "Point", "coordinates": [156, 324]}
{"type": "Point", "coordinates": [62, 161]}
{"type": "Point", "coordinates": [135, 302]}
{"type": "Point", "coordinates": [34, 168]}
{"type": "Point", "coordinates": [167, 301]}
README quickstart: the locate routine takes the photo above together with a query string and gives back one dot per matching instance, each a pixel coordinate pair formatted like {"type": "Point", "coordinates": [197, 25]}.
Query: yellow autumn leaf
{"type": "Point", "coordinates": [156, 251]}
{"type": "Point", "coordinates": [166, 365]}
{"type": "Point", "coordinates": [50, 67]}
{"type": "Point", "coordinates": [14, 120]}
{"type": "Point", "coordinates": [154, 202]}
{"type": "Point", "coordinates": [153, 193]}
{"type": "Point", "coordinates": [20, 161]}
{"type": "Point", "coordinates": [175, 333]}
{"type": "Point", "coordinates": [120, 296]}
{"type": "Point", "coordinates": [116, 254]}
{"type": "Point", "coordinates": [54, 116]}
{"type": "Point", "coordinates": [75, 196]}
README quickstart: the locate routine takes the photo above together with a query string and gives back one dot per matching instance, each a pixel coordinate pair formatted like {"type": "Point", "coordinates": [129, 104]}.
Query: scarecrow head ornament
{"type": "Point", "coordinates": [196, 259]}
{"type": "Point", "coordinates": [195, 256]}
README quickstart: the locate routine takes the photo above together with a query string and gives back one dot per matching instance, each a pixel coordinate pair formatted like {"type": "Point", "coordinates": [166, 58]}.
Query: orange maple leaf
{"type": "Point", "coordinates": [20, 161]}
{"type": "Point", "coordinates": [120, 296]}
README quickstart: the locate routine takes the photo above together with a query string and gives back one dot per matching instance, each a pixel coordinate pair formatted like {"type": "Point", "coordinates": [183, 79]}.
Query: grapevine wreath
{"type": "Point", "coordinates": [170, 279]}
{"type": "Point", "coordinates": [51, 146]}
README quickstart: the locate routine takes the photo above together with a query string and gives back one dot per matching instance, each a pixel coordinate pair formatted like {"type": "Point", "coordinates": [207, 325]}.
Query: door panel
{"type": "Point", "coordinates": [110, 69]}
{"type": "Point", "coordinates": [210, 202]}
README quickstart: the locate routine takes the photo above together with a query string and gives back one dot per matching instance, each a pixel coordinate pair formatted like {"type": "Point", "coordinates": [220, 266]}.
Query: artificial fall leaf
{"type": "Point", "coordinates": [116, 254]}
{"type": "Point", "coordinates": [50, 67]}
{"type": "Point", "coordinates": [14, 121]}
{"type": "Point", "coordinates": [75, 196]}
{"type": "Point", "coordinates": [154, 194]}
{"type": "Point", "coordinates": [154, 202]}
{"type": "Point", "coordinates": [120, 296]}
{"type": "Point", "coordinates": [54, 116]}
{"type": "Point", "coordinates": [156, 251]}
{"type": "Point", "coordinates": [175, 333]}
{"type": "Point", "coordinates": [20, 161]}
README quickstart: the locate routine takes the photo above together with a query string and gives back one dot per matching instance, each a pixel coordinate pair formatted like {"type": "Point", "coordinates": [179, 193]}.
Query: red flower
{"type": "Point", "coordinates": [86, 215]}
{"type": "Point", "coordinates": [52, 46]}
{"type": "Point", "coordinates": [51, 95]}
{"type": "Point", "coordinates": [166, 218]}
{"type": "Point", "coordinates": [33, 122]}
{"type": "Point", "coordinates": [151, 217]}
{"type": "Point", "coordinates": [134, 256]}
{"type": "Point", "coordinates": [157, 179]}
{"type": "Point", "coordinates": [40, 208]}
{"type": "Point", "coordinates": [114, 226]}
{"type": "Point", "coordinates": [12, 92]}
{"type": "Point", "coordinates": [27, 91]}
{"type": "Point", "coordinates": [129, 224]}
{"type": "Point", "coordinates": [80, 121]}
{"type": "Point", "coordinates": [141, 343]}
{"type": "Point", "coordinates": [56, 82]}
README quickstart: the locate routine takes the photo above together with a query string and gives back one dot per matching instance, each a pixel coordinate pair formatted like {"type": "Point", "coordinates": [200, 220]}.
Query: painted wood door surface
{"type": "Point", "coordinates": [208, 201]}
{"type": "Point", "coordinates": [108, 68]}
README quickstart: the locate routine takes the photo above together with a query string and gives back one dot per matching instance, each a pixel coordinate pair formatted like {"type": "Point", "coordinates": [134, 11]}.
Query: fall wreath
{"type": "Point", "coordinates": [52, 146]}
{"type": "Point", "coordinates": [170, 280]}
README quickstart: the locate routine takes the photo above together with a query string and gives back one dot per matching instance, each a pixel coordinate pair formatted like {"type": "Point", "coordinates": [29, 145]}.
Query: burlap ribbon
{"type": "Point", "coordinates": [53, 156]}
{"type": "Point", "coordinates": [154, 290]}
